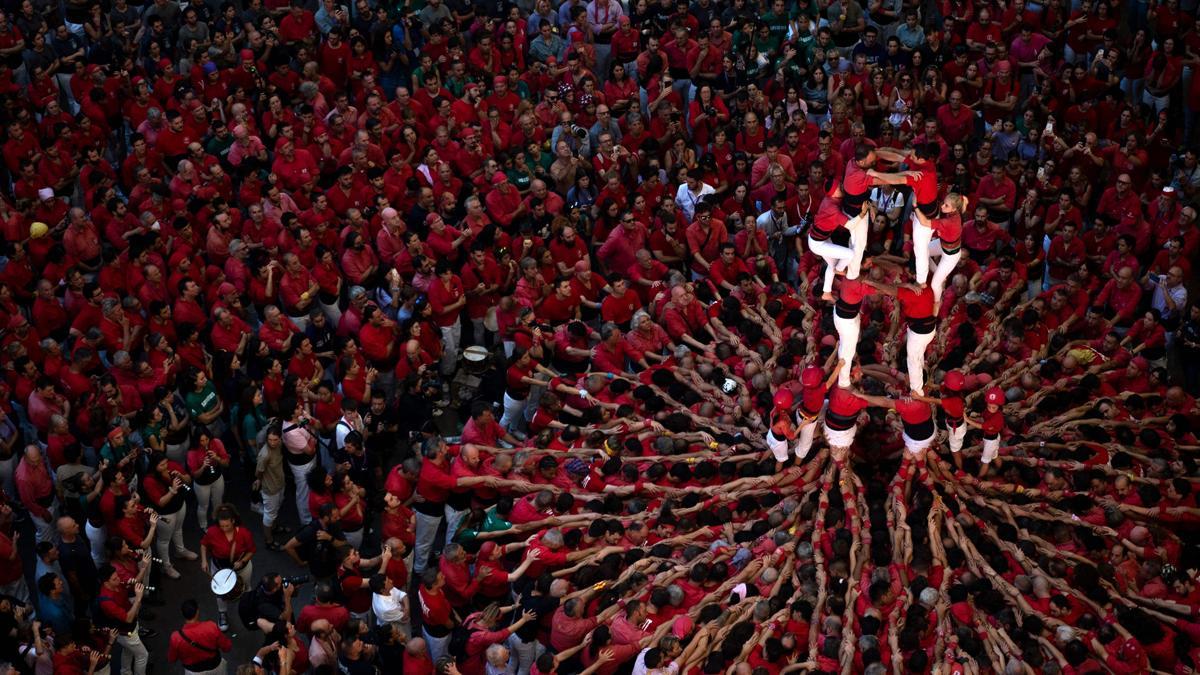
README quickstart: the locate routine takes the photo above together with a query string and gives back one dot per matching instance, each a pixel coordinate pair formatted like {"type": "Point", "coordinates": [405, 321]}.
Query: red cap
{"type": "Point", "coordinates": [16, 321]}
{"type": "Point", "coordinates": [954, 381]}
{"type": "Point", "coordinates": [432, 218]}
{"type": "Point", "coordinates": [498, 178]}
{"type": "Point", "coordinates": [1141, 363]}
{"type": "Point", "coordinates": [226, 288]}
{"type": "Point", "coordinates": [784, 399]}
{"type": "Point", "coordinates": [486, 550]}
{"type": "Point", "coordinates": [811, 377]}
{"type": "Point", "coordinates": [247, 55]}
{"type": "Point", "coordinates": [995, 396]}
{"type": "Point", "coordinates": [116, 432]}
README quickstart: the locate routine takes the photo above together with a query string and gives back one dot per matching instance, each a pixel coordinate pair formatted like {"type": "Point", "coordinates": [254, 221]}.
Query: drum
{"type": "Point", "coordinates": [227, 585]}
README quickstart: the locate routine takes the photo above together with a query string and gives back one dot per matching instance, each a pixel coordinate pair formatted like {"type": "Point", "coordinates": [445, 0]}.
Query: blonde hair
{"type": "Point", "coordinates": [957, 202]}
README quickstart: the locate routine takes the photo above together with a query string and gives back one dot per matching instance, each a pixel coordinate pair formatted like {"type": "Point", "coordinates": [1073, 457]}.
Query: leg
{"type": "Point", "coordinates": [804, 439]}
{"type": "Point", "coordinates": [133, 647]}
{"type": "Point", "coordinates": [450, 339]}
{"type": "Point", "coordinates": [203, 498]}
{"type": "Point", "coordinates": [271, 504]}
{"type": "Point", "coordinates": [922, 235]}
{"type": "Point", "coordinates": [945, 268]}
{"type": "Point", "coordinates": [860, 227]}
{"type": "Point", "coordinates": [915, 347]}
{"type": "Point", "coordinates": [847, 330]}
{"type": "Point", "coordinates": [177, 536]}
{"type": "Point", "coordinates": [453, 519]}
{"type": "Point", "coordinates": [162, 542]}
{"type": "Point", "coordinates": [300, 475]}
{"type": "Point", "coordinates": [514, 413]}
{"type": "Point", "coordinates": [427, 527]}
{"type": "Point", "coordinates": [835, 257]}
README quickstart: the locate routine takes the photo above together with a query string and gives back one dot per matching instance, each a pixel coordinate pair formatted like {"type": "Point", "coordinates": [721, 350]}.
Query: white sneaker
{"type": "Point", "coordinates": [186, 555]}
{"type": "Point", "coordinates": [171, 572]}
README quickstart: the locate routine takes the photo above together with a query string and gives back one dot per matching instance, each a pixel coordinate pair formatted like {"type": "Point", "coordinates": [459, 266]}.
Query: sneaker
{"type": "Point", "coordinates": [223, 622]}
{"type": "Point", "coordinates": [171, 572]}
{"type": "Point", "coordinates": [186, 555]}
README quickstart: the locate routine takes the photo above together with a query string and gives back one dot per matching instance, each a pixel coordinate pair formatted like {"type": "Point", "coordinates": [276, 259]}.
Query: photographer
{"type": "Point", "coordinates": [316, 544]}
{"type": "Point", "coordinates": [269, 604]}
{"type": "Point", "coordinates": [300, 451]}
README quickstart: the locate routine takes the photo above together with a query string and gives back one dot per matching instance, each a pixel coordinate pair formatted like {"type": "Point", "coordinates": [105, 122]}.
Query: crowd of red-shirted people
{"type": "Point", "coordinates": [566, 338]}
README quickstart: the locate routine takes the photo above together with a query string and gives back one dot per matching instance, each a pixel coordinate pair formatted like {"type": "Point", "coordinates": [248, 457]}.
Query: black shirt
{"type": "Point", "coordinates": [321, 556]}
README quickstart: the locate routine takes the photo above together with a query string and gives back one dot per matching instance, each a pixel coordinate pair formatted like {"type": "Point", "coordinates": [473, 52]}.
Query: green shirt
{"type": "Point", "coordinates": [778, 25]}
{"type": "Point", "coordinates": [203, 401]}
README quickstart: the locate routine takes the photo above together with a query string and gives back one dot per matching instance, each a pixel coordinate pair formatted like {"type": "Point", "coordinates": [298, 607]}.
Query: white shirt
{"type": "Point", "coordinates": [389, 608]}
{"type": "Point", "coordinates": [687, 200]}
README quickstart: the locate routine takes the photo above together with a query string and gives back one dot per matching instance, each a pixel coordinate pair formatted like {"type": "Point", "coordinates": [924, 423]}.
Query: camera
{"type": "Point", "coordinates": [579, 132]}
{"type": "Point", "coordinates": [296, 580]}
{"type": "Point", "coordinates": [710, 111]}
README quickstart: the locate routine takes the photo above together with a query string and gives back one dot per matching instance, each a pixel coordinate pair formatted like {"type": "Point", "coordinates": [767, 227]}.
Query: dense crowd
{"type": "Point", "coordinates": [568, 339]}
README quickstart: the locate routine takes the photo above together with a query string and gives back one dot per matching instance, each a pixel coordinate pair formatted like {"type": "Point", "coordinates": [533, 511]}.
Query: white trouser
{"type": "Point", "coordinates": [245, 574]}
{"type": "Point", "coordinates": [96, 538]}
{"type": "Point", "coordinates": [847, 330]}
{"type": "Point", "coordinates": [779, 447]}
{"type": "Point", "coordinates": [133, 653]}
{"type": "Point", "coordinates": [513, 418]}
{"type": "Point", "coordinates": [860, 231]}
{"type": "Point", "coordinates": [804, 439]}
{"type": "Point", "coordinates": [991, 448]}
{"type": "Point", "coordinates": [922, 235]}
{"type": "Point", "coordinates": [840, 438]}
{"type": "Point", "coordinates": [271, 505]}
{"type": "Point", "coordinates": [206, 495]}
{"type": "Point", "coordinates": [221, 669]}
{"type": "Point", "coordinates": [354, 538]}
{"type": "Point", "coordinates": [427, 527]}
{"type": "Point", "coordinates": [916, 446]}
{"type": "Point", "coordinates": [169, 534]}
{"type": "Point", "coordinates": [955, 436]}
{"type": "Point", "coordinates": [915, 345]}
{"type": "Point", "coordinates": [300, 475]}
{"type": "Point", "coordinates": [837, 258]}
{"type": "Point", "coordinates": [451, 337]}
{"type": "Point", "coordinates": [945, 267]}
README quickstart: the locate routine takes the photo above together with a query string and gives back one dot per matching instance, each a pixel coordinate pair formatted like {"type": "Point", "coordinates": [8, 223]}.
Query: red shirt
{"type": "Point", "coordinates": [225, 549]}
{"type": "Point", "coordinates": [843, 409]}
{"type": "Point", "coordinates": [203, 633]}
{"type": "Point", "coordinates": [441, 297]}
{"type": "Point", "coordinates": [915, 304]}
{"type": "Point", "coordinates": [337, 615]}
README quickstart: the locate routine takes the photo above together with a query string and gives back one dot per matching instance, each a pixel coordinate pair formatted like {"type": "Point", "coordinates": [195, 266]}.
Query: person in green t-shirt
{"type": "Point", "coordinates": [777, 25]}
{"type": "Point", "coordinates": [202, 400]}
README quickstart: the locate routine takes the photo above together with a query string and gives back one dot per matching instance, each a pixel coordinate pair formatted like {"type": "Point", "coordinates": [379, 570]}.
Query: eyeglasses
{"type": "Point", "coordinates": [627, 220]}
